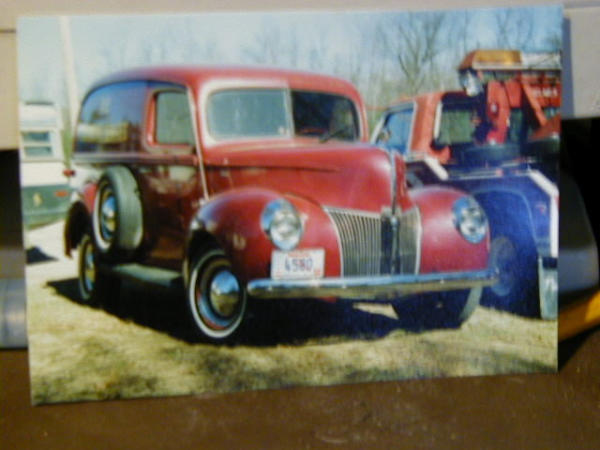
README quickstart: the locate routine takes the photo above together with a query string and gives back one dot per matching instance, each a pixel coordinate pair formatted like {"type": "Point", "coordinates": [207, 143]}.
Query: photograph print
{"type": "Point", "coordinates": [221, 202]}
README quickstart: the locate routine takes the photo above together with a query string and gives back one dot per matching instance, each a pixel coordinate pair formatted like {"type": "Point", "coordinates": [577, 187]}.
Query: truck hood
{"type": "Point", "coordinates": [339, 175]}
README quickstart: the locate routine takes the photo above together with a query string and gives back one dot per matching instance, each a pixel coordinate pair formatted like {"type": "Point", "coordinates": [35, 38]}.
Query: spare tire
{"type": "Point", "coordinates": [487, 154]}
{"type": "Point", "coordinates": [117, 216]}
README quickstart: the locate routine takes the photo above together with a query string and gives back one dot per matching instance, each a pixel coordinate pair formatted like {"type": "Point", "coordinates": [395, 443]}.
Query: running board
{"type": "Point", "coordinates": [146, 275]}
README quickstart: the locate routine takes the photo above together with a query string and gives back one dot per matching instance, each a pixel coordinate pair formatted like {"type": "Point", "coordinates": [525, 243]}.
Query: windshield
{"type": "Point", "coordinates": [248, 113]}
{"type": "Point", "coordinates": [264, 113]}
{"type": "Point", "coordinates": [458, 124]}
{"type": "Point", "coordinates": [324, 116]}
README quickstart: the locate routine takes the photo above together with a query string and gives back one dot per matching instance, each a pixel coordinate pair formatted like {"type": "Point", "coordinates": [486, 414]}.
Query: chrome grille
{"type": "Point", "coordinates": [360, 239]}
{"type": "Point", "coordinates": [409, 241]}
{"type": "Point", "coordinates": [362, 236]}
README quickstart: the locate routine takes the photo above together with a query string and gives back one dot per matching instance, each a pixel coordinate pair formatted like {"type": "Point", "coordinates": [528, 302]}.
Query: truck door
{"type": "Point", "coordinates": [174, 180]}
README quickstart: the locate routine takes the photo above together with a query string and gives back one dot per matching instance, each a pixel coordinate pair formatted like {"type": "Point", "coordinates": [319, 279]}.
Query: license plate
{"type": "Point", "coordinates": [297, 264]}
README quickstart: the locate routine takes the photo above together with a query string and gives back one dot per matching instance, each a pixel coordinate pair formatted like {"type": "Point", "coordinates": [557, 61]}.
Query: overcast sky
{"type": "Point", "coordinates": [104, 44]}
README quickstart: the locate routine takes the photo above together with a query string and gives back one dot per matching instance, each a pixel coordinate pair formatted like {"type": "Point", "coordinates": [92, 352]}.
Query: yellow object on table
{"type": "Point", "coordinates": [579, 316]}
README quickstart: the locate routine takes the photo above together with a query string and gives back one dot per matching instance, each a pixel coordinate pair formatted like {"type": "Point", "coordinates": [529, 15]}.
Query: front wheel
{"type": "Point", "coordinates": [216, 298]}
{"type": "Point", "coordinates": [447, 309]}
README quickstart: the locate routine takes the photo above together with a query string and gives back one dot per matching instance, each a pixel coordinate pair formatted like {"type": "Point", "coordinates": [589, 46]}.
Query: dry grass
{"type": "Point", "coordinates": [82, 353]}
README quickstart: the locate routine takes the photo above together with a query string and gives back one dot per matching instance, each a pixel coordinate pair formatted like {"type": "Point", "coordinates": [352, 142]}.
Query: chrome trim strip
{"type": "Point", "coordinates": [199, 152]}
{"type": "Point", "coordinates": [550, 189]}
{"type": "Point", "coordinates": [370, 288]}
{"type": "Point", "coordinates": [350, 211]}
{"type": "Point", "coordinates": [337, 235]}
{"type": "Point", "coordinates": [393, 181]}
{"type": "Point", "coordinates": [419, 240]}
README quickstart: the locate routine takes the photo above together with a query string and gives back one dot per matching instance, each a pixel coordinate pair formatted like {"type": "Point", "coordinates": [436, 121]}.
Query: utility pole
{"type": "Point", "coordinates": [67, 49]}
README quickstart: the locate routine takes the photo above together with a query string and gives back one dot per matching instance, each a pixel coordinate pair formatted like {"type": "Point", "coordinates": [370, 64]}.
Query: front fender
{"type": "Point", "coordinates": [232, 220]}
{"type": "Point", "coordinates": [443, 248]}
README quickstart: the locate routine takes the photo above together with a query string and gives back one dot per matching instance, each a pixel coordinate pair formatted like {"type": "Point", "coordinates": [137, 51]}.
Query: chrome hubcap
{"type": "Point", "coordinates": [89, 268]}
{"type": "Point", "coordinates": [224, 293]}
{"type": "Point", "coordinates": [108, 216]}
{"type": "Point", "coordinates": [504, 259]}
{"type": "Point", "coordinates": [217, 298]}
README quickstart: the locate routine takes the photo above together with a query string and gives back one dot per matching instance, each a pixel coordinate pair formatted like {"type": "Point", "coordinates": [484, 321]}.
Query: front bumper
{"type": "Point", "coordinates": [370, 288]}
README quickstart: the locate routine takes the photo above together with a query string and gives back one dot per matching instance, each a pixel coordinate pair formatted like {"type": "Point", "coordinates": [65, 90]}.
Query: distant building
{"type": "Point", "coordinates": [44, 185]}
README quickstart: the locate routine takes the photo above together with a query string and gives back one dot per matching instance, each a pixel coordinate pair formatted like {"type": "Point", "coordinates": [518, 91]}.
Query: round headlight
{"type": "Point", "coordinates": [282, 223]}
{"type": "Point", "coordinates": [470, 219]}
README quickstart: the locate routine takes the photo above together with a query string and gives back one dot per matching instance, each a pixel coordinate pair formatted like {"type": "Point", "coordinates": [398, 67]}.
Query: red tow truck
{"type": "Point", "coordinates": [498, 139]}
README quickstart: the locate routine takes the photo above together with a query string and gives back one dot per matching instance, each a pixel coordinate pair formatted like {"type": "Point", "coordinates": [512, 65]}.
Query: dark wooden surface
{"type": "Point", "coordinates": [526, 411]}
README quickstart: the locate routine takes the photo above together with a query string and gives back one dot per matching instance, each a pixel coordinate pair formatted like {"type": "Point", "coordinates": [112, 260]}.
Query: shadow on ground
{"type": "Point", "coordinates": [35, 255]}
{"type": "Point", "coordinates": [267, 323]}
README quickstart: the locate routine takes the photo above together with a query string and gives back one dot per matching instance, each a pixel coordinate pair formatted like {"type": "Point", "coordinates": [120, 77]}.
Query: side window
{"type": "Point", "coordinates": [398, 127]}
{"type": "Point", "coordinates": [111, 118]}
{"type": "Point", "coordinates": [173, 121]}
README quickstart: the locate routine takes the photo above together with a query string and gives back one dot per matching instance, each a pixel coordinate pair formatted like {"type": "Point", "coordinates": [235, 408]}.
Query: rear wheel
{"type": "Point", "coordinates": [513, 254]}
{"type": "Point", "coordinates": [94, 285]}
{"type": "Point", "coordinates": [517, 288]}
{"type": "Point", "coordinates": [215, 296]}
{"type": "Point", "coordinates": [447, 309]}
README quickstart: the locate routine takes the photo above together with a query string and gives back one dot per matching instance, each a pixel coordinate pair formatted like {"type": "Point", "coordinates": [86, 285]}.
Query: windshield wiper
{"type": "Point", "coordinates": [331, 134]}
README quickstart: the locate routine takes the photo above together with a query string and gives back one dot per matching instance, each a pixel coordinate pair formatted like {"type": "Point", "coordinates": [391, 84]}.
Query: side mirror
{"type": "Point", "coordinates": [383, 136]}
{"type": "Point", "coordinates": [440, 142]}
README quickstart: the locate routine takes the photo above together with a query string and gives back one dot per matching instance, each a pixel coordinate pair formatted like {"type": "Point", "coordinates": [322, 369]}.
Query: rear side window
{"type": "Point", "coordinates": [111, 118]}
{"type": "Point", "coordinates": [173, 121]}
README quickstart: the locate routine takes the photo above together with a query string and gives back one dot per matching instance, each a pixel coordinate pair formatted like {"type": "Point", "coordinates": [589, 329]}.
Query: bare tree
{"type": "Point", "coordinates": [553, 42]}
{"type": "Point", "coordinates": [318, 51]}
{"type": "Point", "coordinates": [270, 47]}
{"type": "Point", "coordinates": [462, 37]}
{"type": "Point", "coordinates": [514, 28]}
{"type": "Point", "coordinates": [416, 42]}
